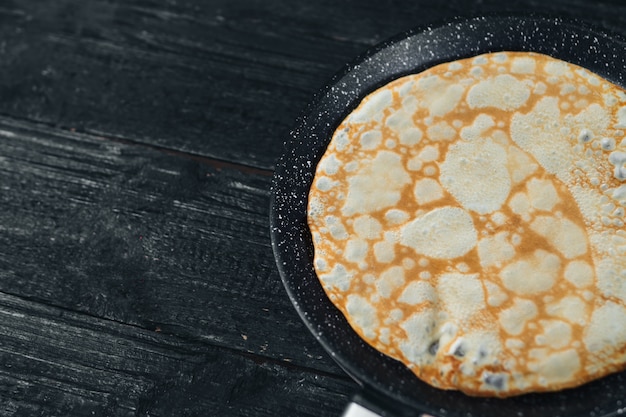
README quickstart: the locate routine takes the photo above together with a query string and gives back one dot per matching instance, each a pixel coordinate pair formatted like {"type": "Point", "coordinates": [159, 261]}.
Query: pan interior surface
{"type": "Point", "coordinates": [411, 53]}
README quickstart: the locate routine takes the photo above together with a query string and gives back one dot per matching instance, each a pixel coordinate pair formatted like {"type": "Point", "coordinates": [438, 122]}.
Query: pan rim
{"type": "Point", "coordinates": [307, 141]}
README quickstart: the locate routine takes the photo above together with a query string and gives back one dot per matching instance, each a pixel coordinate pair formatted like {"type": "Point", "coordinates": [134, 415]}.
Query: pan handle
{"type": "Point", "coordinates": [366, 404]}
{"type": "Point", "coordinates": [357, 410]}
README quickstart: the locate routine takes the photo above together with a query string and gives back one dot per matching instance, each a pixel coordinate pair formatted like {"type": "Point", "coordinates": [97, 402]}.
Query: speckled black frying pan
{"type": "Point", "coordinates": [387, 384]}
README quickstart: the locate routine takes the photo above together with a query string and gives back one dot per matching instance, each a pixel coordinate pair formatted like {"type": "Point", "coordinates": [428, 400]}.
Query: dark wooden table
{"type": "Point", "coordinates": [137, 145]}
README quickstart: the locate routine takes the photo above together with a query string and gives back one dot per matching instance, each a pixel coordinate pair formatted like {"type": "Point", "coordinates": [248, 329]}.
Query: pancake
{"type": "Point", "coordinates": [468, 221]}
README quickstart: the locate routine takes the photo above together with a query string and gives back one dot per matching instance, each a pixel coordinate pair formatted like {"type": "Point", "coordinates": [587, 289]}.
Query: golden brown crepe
{"type": "Point", "coordinates": [469, 222]}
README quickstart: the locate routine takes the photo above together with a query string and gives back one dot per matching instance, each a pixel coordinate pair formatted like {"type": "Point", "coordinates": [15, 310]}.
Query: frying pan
{"type": "Point", "coordinates": [388, 387]}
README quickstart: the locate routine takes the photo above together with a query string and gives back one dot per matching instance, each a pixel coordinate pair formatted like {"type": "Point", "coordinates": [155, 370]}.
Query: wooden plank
{"type": "Point", "coordinates": [198, 77]}
{"type": "Point", "coordinates": [55, 362]}
{"type": "Point", "coordinates": [147, 238]}
{"type": "Point", "coordinates": [221, 78]}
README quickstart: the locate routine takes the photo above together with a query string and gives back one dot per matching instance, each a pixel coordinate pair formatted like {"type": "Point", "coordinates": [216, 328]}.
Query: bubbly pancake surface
{"type": "Point", "coordinates": [469, 222]}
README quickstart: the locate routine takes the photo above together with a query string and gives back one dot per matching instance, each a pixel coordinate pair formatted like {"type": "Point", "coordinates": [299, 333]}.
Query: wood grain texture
{"type": "Point", "coordinates": [54, 362]}
{"type": "Point", "coordinates": [149, 242]}
{"type": "Point", "coordinates": [218, 78]}
{"type": "Point", "coordinates": [145, 238]}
